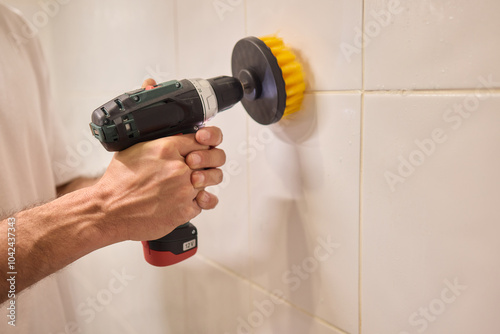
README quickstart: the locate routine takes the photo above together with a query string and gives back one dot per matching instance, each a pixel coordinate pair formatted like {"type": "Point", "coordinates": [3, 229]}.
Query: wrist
{"type": "Point", "coordinates": [104, 223]}
{"type": "Point", "coordinates": [81, 217]}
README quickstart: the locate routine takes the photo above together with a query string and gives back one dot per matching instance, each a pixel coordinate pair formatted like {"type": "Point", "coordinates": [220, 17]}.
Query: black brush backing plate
{"type": "Point", "coordinates": [252, 55]}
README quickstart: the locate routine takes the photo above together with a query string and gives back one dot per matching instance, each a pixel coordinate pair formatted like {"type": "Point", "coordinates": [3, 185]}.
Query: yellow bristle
{"type": "Point", "coordinates": [295, 89]}
{"type": "Point", "coordinates": [292, 71]}
{"type": "Point", "coordinates": [284, 57]}
{"type": "Point", "coordinates": [294, 79]}
{"type": "Point", "coordinates": [271, 40]}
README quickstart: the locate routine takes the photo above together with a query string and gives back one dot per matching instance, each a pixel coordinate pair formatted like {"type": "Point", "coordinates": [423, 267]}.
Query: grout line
{"type": "Point", "coordinates": [335, 92]}
{"type": "Point", "coordinates": [436, 91]}
{"type": "Point", "coordinates": [249, 216]}
{"type": "Point", "coordinates": [361, 147]}
{"type": "Point", "coordinates": [408, 92]}
{"type": "Point", "coordinates": [360, 212]}
{"type": "Point", "coordinates": [252, 284]}
{"type": "Point", "coordinates": [245, 17]}
{"type": "Point", "coordinates": [248, 179]}
{"type": "Point", "coordinates": [176, 37]}
{"type": "Point", "coordinates": [300, 309]}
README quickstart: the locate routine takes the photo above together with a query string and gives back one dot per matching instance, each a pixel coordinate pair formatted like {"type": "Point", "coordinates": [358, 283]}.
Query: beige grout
{"type": "Point", "coordinates": [408, 92]}
{"type": "Point", "coordinates": [450, 91]}
{"type": "Point", "coordinates": [361, 146]}
{"type": "Point", "coordinates": [176, 37]}
{"type": "Point", "coordinates": [245, 16]}
{"type": "Point", "coordinates": [360, 205]}
{"type": "Point", "coordinates": [249, 211]}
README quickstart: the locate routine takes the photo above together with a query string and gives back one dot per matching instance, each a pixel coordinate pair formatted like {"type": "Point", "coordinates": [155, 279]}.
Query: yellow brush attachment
{"type": "Point", "coordinates": [293, 74]}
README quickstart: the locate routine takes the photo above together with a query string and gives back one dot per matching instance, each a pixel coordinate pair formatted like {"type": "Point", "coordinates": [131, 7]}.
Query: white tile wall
{"type": "Point", "coordinates": [430, 44]}
{"type": "Point", "coordinates": [430, 194]}
{"type": "Point", "coordinates": [304, 190]}
{"type": "Point", "coordinates": [427, 257]}
{"type": "Point", "coordinates": [113, 45]}
{"type": "Point", "coordinates": [206, 34]}
{"type": "Point", "coordinates": [269, 314]}
{"type": "Point", "coordinates": [315, 29]}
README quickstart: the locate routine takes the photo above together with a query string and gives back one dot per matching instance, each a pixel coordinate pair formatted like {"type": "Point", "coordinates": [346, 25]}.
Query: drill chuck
{"type": "Point", "coordinates": [228, 90]}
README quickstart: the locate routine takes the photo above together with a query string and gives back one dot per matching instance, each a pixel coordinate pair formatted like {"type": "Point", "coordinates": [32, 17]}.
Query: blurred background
{"type": "Point", "coordinates": [373, 210]}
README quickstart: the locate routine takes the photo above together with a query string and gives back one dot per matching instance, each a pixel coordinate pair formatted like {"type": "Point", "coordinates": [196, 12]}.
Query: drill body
{"type": "Point", "coordinates": [167, 109]}
{"type": "Point", "coordinates": [163, 110]}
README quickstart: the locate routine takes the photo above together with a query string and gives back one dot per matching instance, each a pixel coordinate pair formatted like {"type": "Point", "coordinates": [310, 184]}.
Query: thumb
{"type": "Point", "coordinates": [184, 144]}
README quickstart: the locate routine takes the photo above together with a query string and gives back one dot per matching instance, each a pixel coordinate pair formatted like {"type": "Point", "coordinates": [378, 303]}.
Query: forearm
{"type": "Point", "coordinates": [51, 236]}
{"type": "Point", "coordinates": [78, 183]}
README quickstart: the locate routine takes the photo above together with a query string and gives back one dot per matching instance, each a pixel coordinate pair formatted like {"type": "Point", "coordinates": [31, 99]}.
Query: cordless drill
{"type": "Point", "coordinates": [167, 109]}
{"type": "Point", "coordinates": [267, 80]}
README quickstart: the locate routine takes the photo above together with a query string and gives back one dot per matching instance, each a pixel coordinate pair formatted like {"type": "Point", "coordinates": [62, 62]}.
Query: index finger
{"type": "Point", "coordinates": [186, 144]}
{"type": "Point", "coordinates": [210, 135]}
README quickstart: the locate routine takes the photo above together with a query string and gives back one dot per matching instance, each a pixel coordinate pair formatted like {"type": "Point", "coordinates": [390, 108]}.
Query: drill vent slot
{"type": "Point", "coordinates": [119, 104]}
{"type": "Point", "coordinates": [105, 112]}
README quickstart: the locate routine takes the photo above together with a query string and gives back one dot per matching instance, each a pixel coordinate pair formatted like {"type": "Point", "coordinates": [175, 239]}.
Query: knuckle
{"type": "Point", "coordinates": [195, 159]}
{"type": "Point", "coordinates": [161, 149]}
{"type": "Point", "coordinates": [178, 168]}
{"type": "Point", "coordinates": [185, 191]}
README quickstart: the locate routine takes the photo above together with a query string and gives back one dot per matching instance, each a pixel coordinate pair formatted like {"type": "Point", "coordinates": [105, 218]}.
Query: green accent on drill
{"type": "Point", "coordinates": [161, 89]}
{"type": "Point", "coordinates": [106, 133]}
{"type": "Point", "coordinates": [132, 128]}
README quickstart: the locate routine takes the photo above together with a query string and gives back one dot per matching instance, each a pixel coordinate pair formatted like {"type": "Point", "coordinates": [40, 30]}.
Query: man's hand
{"type": "Point", "coordinates": [150, 188]}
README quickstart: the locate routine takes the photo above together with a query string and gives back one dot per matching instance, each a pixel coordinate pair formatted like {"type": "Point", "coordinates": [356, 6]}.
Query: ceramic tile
{"type": "Point", "coordinates": [190, 297]}
{"type": "Point", "coordinates": [212, 302]}
{"type": "Point", "coordinates": [304, 179]}
{"type": "Point", "coordinates": [429, 212]}
{"type": "Point", "coordinates": [207, 32]}
{"type": "Point", "coordinates": [105, 291]}
{"type": "Point", "coordinates": [270, 314]}
{"type": "Point", "coordinates": [111, 46]}
{"type": "Point", "coordinates": [429, 44]}
{"type": "Point", "coordinates": [315, 31]}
